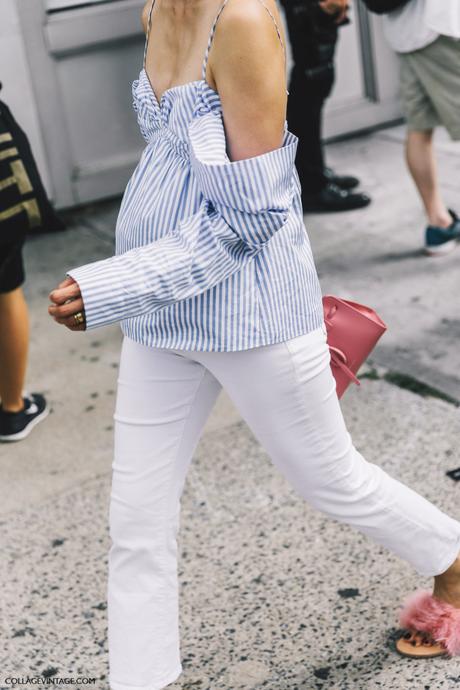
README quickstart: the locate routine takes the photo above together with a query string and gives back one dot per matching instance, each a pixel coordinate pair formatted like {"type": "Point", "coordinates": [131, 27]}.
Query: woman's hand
{"type": "Point", "coordinates": [68, 308]}
{"type": "Point", "coordinates": [335, 7]}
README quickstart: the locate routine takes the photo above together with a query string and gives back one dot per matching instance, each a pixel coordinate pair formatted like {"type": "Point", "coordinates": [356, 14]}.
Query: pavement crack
{"type": "Point", "coordinates": [409, 383]}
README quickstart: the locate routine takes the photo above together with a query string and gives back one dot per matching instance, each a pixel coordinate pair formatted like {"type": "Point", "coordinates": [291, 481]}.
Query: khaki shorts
{"type": "Point", "coordinates": [430, 86]}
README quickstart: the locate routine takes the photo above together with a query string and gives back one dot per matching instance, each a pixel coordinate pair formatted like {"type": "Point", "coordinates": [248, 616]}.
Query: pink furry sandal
{"type": "Point", "coordinates": [433, 627]}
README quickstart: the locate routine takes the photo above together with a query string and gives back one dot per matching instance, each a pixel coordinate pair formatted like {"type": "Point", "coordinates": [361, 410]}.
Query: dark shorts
{"type": "Point", "coordinates": [11, 266]}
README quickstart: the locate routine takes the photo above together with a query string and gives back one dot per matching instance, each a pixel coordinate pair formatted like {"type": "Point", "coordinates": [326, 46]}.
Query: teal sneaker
{"type": "Point", "coordinates": [439, 241]}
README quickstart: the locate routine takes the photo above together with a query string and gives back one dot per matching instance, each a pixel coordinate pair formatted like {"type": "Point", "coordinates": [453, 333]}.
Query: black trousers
{"type": "Point", "coordinates": [308, 91]}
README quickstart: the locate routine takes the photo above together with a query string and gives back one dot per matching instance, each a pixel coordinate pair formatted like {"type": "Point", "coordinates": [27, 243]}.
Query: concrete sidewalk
{"type": "Point", "coordinates": [274, 595]}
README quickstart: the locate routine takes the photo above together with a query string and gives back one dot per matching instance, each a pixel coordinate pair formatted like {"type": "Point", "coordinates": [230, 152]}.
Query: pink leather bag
{"type": "Point", "coordinates": [352, 333]}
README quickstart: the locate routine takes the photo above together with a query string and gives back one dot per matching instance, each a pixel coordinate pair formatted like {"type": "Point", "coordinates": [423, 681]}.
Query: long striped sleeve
{"type": "Point", "coordinates": [243, 204]}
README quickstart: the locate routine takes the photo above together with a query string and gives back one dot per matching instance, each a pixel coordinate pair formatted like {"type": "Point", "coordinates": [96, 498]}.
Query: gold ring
{"type": "Point", "coordinates": [78, 318]}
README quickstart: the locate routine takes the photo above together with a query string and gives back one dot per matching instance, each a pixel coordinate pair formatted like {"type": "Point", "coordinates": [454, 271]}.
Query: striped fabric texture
{"type": "Point", "coordinates": [210, 254]}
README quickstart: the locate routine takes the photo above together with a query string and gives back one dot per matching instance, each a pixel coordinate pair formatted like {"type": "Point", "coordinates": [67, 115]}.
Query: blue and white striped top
{"type": "Point", "coordinates": [211, 254]}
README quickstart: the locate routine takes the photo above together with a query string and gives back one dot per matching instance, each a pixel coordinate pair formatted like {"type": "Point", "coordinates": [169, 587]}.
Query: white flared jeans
{"type": "Point", "coordinates": [286, 394]}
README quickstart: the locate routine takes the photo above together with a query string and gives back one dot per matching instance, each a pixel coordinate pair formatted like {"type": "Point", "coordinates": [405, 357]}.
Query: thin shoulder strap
{"type": "Point", "coordinates": [213, 31]}
{"type": "Point", "coordinates": [210, 40]}
{"type": "Point", "coordinates": [148, 31]}
{"type": "Point", "coordinates": [276, 26]}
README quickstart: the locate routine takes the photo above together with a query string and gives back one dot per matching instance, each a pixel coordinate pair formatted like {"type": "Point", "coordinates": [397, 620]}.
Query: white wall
{"type": "Point", "coordinates": [17, 89]}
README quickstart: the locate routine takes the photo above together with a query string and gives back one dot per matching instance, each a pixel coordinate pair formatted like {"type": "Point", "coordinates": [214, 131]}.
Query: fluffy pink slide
{"type": "Point", "coordinates": [433, 627]}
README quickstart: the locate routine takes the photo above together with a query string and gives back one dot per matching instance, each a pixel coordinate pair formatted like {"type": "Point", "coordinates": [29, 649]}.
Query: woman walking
{"type": "Point", "coordinates": [214, 285]}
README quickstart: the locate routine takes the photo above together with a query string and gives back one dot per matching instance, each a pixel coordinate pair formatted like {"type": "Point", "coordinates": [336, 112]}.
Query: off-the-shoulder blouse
{"type": "Point", "coordinates": [210, 254]}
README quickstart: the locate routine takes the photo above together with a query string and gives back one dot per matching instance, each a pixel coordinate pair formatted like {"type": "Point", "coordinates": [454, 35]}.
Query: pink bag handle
{"type": "Point", "coordinates": [327, 319]}
{"type": "Point", "coordinates": [339, 359]}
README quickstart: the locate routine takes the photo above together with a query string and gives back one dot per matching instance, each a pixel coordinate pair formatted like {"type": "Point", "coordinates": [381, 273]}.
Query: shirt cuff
{"type": "Point", "coordinates": [98, 310]}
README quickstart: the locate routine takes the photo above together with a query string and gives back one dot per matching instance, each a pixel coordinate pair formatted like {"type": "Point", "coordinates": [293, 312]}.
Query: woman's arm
{"type": "Point", "coordinates": [247, 65]}
{"type": "Point", "coordinates": [244, 202]}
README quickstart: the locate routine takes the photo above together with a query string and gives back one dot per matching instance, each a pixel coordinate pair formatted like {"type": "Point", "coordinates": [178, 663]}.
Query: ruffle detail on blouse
{"type": "Point", "coordinates": [145, 110]}
{"type": "Point", "coordinates": [254, 195]}
{"type": "Point", "coordinates": [196, 97]}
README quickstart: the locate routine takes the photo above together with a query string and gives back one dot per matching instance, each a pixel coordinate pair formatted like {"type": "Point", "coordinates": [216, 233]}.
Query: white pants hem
{"type": "Point", "coordinates": [158, 685]}
{"type": "Point", "coordinates": [452, 554]}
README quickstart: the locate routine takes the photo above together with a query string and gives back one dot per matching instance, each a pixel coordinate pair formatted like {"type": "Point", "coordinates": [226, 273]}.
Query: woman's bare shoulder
{"type": "Point", "coordinates": [246, 31]}
{"type": "Point", "coordinates": [249, 15]}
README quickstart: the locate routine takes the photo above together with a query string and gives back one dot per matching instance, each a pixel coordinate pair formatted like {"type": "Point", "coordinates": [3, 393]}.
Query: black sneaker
{"type": "Point", "coordinates": [14, 426]}
{"type": "Point", "coordinates": [333, 198]}
{"type": "Point", "coordinates": [342, 181]}
{"type": "Point", "coordinates": [439, 241]}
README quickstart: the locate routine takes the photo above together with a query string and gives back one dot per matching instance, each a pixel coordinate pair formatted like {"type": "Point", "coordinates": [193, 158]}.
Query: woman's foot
{"type": "Point", "coordinates": [419, 644]}
{"type": "Point", "coordinates": [428, 618]}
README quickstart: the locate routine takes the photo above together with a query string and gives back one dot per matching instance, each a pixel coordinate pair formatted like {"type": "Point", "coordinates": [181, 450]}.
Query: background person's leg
{"type": "Point", "coordinates": [422, 166]}
{"type": "Point", "coordinates": [286, 393]}
{"type": "Point", "coordinates": [14, 345]}
{"type": "Point", "coordinates": [163, 401]}
{"type": "Point", "coordinates": [308, 91]}
{"type": "Point", "coordinates": [304, 114]}
{"type": "Point", "coordinates": [429, 89]}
